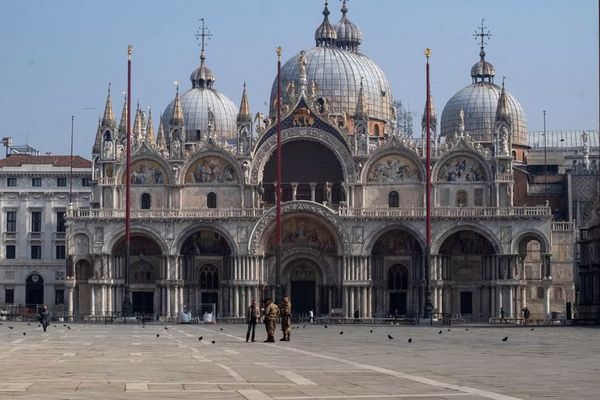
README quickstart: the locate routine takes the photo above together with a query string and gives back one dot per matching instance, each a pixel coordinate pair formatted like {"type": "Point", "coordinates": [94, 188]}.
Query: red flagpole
{"type": "Point", "coordinates": [428, 306]}
{"type": "Point", "coordinates": [126, 297]}
{"type": "Point", "coordinates": [278, 191]}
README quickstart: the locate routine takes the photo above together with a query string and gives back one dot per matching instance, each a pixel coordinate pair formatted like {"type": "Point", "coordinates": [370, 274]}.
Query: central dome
{"type": "Point", "coordinates": [337, 69]}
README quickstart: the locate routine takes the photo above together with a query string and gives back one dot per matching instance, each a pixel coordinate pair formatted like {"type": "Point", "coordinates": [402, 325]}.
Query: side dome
{"type": "Point", "coordinates": [337, 74]}
{"type": "Point", "coordinates": [203, 104]}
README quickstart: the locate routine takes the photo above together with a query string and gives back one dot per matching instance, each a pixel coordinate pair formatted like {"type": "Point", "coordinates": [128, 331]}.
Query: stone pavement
{"type": "Point", "coordinates": [131, 362]}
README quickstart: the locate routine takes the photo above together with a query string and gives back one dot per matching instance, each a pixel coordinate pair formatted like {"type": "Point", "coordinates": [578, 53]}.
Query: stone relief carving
{"type": "Point", "coordinates": [147, 173]}
{"type": "Point", "coordinates": [461, 169]}
{"type": "Point", "coordinates": [211, 169]}
{"type": "Point", "coordinates": [393, 169]}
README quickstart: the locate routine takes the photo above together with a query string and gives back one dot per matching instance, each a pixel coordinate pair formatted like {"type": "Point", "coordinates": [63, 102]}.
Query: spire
{"type": "Point", "coordinates": [138, 124]}
{"type": "Point", "coordinates": [502, 110]}
{"type": "Point", "coordinates": [432, 116]}
{"type": "Point", "coordinates": [108, 120]}
{"type": "Point", "coordinates": [150, 129]}
{"type": "Point", "coordinates": [98, 142]}
{"type": "Point", "coordinates": [160, 137]}
{"type": "Point", "coordinates": [202, 77]}
{"type": "Point", "coordinates": [177, 116]}
{"type": "Point", "coordinates": [361, 109]}
{"type": "Point", "coordinates": [244, 114]}
{"type": "Point", "coordinates": [325, 34]}
{"type": "Point", "coordinates": [123, 123]}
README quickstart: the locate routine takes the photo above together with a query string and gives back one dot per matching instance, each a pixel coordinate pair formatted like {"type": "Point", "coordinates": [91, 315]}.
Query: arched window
{"type": "Point", "coordinates": [209, 277]}
{"type": "Point", "coordinates": [198, 135]}
{"type": "Point", "coordinates": [107, 136]}
{"type": "Point", "coordinates": [211, 200]}
{"type": "Point", "coordinates": [146, 201]}
{"type": "Point", "coordinates": [514, 154]}
{"type": "Point", "coordinates": [461, 198]}
{"type": "Point", "coordinates": [393, 200]}
{"type": "Point", "coordinates": [397, 277]}
{"type": "Point", "coordinates": [376, 130]}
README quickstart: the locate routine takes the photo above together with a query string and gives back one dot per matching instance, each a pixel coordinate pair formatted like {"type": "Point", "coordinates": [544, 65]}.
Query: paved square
{"type": "Point", "coordinates": [160, 362]}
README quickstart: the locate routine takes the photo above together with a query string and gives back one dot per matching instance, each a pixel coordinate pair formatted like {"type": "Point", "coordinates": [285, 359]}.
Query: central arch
{"type": "Point", "coordinates": [304, 278]}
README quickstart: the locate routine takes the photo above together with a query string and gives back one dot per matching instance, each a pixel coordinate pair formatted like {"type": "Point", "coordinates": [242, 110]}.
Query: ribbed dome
{"type": "Point", "coordinates": [195, 103]}
{"type": "Point", "coordinates": [483, 70]}
{"type": "Point", "coordinates": [337, 73]}
{"type": "Point", "coordinates": [349, 35]}
{"type": "Point", "coordinates": [479, 102]}
{"type": "Point", "coordinates": [325, 34]}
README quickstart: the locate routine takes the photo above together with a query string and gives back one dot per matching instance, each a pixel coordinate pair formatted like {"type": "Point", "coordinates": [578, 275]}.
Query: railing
{"type": "Point", "coordinates": [35, 236]}
{"type": "Point", "coordinates": [10, 236]}
{"type": "Point", "coordinates": [59, 235]}
{"type": "Point", "coordinates": [504, 177]}
{"type": "Point", "coordinates": [563, 226]}
{"type": "Point", "coordinates": [106, 180]}
{"type": "Point", "coordinates": [172, 213]}
{"type": "Point", "coordinates": [382, 212]}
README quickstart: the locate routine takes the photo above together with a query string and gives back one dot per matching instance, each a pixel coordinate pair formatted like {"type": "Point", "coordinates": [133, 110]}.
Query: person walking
{"type": "Point", "coordinates": [311, 316]}
{"type": "Point", "coordinates": [271, 315]}
{"type": "Point", "coordinates": [44, 317]}
{"type": "Point", "coordinates": [502, 316]}
{"type": "Point", "coordinates": [356, 316]}
{"type": "Point", "coordinates": [286, 319]}
{"type": "Point", "coordinates": [252, 315]}
{"type": "Point", "coordinates": [526, 315]}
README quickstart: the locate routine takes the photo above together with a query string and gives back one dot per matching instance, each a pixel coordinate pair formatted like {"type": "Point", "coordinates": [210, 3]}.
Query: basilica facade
{"type": "Point", "coordinates": [353, 213]}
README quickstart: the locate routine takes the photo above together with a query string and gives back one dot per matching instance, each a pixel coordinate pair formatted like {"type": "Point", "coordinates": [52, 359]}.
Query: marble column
{"type": "Point", "coordinates": [313, 187]}
{"type": "Point", "coordinates": [547, 301]}
{"type": "Point", "coordinates": [363, 299]}
{"type": "Point", "coordinates": [168, 300]}
{"type": "Point", "coordinates": [236, 301]}
{"type": "Point", "coordinates": [524, 297]}
{"type": "Point", "coordinates": [500, 303]}
{"type": "Point", "coordinates": [93, 299]}
{"type": "Point", "coordinates": [294, 190]}
{"type": "Point", "coordinates": [70, 299]}
{"type": "Point", "coordinates": [346, 300]}
{"type": "Point", "coordinates": [511, 304]}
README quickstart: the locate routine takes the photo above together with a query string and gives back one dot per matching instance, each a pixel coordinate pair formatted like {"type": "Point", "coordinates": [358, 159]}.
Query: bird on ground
{"type": "Point", "coordinates": [166, 329]}
{"type": "Point", "coordinates": [409, 340]}
{"type": "Point", "coordinates": [64, 324]}
{"type": "Point", "coordinates": [201, 337]}
{"type": "Point", "coordinates": [68, 327]}
{"type": "Point", "coordinates": [143, 326]}
{"type": "Point", "coordinates": [10, 327]}
{"type": "Point", "coordinates": [371, 331]}
{"type": "Point", "coordinates": [55, 326]}
{"type": "Point", "coordinates": [28, 324]}
{"type": "Point", "coordinates": [466, 329]}
{"type": "Point", "coordinates": [390, 336]}
{"type": "Point", "coordinates": [341, 332]}
{"type": "Point", "coordinates": [505, 339]}
{"type": "Point", "coordinates": [303, 326]}
{"type": "Point", "coordinates": [448, 329]}
{"type": "Point", "coordinates": [213, 342]}
{"type": "Point", "coordinates": [532, 329]}
{"type": "Point", "coordinates": [440, 332]}
{"type": "Point", "coordinates": [24, 334]}
{"type": "Point", "coordinates": [157, 335]}
{"type": "Point", "coordinates": [221, 329]}
{"type": "Point", "coordinates": [325, 326]}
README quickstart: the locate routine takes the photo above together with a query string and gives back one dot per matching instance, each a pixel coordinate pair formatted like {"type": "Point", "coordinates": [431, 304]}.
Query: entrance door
{"type": "Point", "coordinates": [142, 302]}
{"type": "Point", "coordinates": [34, 290]}
{"type": "Point", "coordinates": [303, 297]}
{"type": "Point", "coordinates": [209, 298]}
{"type": "Point", "coordinates": [466, 302]}
{"type": "Point", "coordinates": [397, 303]}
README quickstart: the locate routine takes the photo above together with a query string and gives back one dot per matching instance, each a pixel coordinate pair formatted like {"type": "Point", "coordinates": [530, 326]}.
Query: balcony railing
{"type": "Point", "coordinates": [504, 177]}
{"type": "Point", "coordinates": [35, 236]}
{"type": "Point", "coordinates": [563, 226]}
{"type": "Point", "coordinates": [402, 213]}
{"type": "Point", "coordinates": [10, 236]}
{"type": "Point", "coordinates": [106, 180]}
{"type": "Point", "coordinates": [58, 235]}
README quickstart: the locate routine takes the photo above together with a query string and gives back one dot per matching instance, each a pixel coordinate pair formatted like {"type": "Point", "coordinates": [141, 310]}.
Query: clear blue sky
{"type": "Point", "coordinates": [58, 56]}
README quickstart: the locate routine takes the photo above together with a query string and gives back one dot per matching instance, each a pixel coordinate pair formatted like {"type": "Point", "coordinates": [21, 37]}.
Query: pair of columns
{"type": "Point", "coordinates": [358, 297]}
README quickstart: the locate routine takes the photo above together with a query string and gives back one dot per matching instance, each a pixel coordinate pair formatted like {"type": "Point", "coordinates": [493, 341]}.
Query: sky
{"type": "Point", "coordinates": [58, 56]}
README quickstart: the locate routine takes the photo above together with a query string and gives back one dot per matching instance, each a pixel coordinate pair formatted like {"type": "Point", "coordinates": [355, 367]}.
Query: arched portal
{"type": "Point", "coordinates": [34, 291]}
{"type": "Point", "coordinates": [82, 295]}
{"type": "Point", "coordinates": [145, 269]}
{"type": "Point", "coordinates": [466, 258]}
{"type": "Point", "coordinates": [396, 258]}
{"type": "Point", "coordinates": [304, 280]}
{"type": "Point", "coordinates": [205, 255]}
{"type": "Point", "coordinates": [319, 179]}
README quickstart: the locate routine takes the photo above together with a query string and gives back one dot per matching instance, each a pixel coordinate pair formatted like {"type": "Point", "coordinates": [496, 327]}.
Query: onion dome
{"type": "Point", "coordinates": [349, 35]}
{"type": "Point", "coordinates": [325, 34]}
{"type": "Point", "coordinates": [336, 75]}
{"type": "Point", "coordinates": [195, 108]}
{"type": "Point", "coordinates": [479, 101]}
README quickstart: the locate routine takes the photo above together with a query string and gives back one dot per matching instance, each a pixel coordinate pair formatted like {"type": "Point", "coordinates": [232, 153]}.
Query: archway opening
{"type": "Point", "coordinates": [83, 272]}
{"type": "Point", "coordinates": [34, 291]}
{"type": "Point", "coordinates": [531, 259]}
{"type": "Point", "coordinates": [319, 179]}
{"type": "Point", "coordinates": [304, 278]}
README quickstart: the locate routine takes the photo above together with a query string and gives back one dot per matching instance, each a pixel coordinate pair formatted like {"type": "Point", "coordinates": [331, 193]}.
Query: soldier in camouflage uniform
{"type": "Point", "coordinates": [271, 315]}
{"type": "Point", "coordinates": [286, 319]}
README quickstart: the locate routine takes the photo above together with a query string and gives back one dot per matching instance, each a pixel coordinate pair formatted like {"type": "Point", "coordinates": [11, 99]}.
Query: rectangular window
{"type": "Point", "coordinates": [11, 252]}
{"type": "Point", "coordinates": [86, 182]}
{"type": "Point", "coordinates": [61, 181]}
{"type": "Point", "coordinates": [478, 197]}
{"type": "Point", "coordinates": [60, 252]}
{"type": "Point", "coordinates": [60, 221]}
{"type": "Point", "coordinates": [36, 181]}
{"type": "Point", "coordinates": [11, 181]}
{"type": "Point", "coordinates": [11, 221]}
{"type": "Point", "coordinates": [36, 252]}
{"type": "Point", "coordinates": [59, 296]}
{"type": "Point", "coordinates": [9, 296]}
{"type": "Point", "coordinates": [36, 221]}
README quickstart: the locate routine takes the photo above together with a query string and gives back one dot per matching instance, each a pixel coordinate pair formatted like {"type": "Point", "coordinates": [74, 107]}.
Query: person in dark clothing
{"type": "Point", "coordinates": [44, 317]}
{"type": "Point", "coordinates": [502, 315]}
{"type": "Point", "coordinates": [252, 315]}
{"type": "Point", "coordinates": [526, 315]}
{"type": "Point", "coordinates": [356, 316]}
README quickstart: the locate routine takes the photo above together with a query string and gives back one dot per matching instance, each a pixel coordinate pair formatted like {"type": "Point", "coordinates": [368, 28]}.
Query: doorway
{"type": "Point", "coordinates": [142, 302]}
{"type": "Point", "coordinates": [397, 303]}
{"type": "Point", "coordinates": [466, 302]}
{"type": "Point", "coordinates": [303, 297]}
{"type": "Point", "coordinates": [34, 290]}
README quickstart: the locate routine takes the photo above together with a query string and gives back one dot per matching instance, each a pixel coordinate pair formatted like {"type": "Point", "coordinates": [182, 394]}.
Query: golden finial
{"type": "Point", "coordinates": [278, 50]}
{"type": "Point", "coordinates": [427, 52]}
{"type": "Point", "coordinates": [129, 50]}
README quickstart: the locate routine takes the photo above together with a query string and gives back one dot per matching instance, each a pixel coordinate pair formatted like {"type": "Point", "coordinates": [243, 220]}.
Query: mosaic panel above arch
{"type": "Point", "coordinates": [147, 172]}
{"type": "Point", "coordinates": [393, 168]}
{"type": "Point", "coordinates": [303, 232]}
{"type": "Point", "coordinates": [461, 169]}
{"type": "Point", "coordinates": [212, 170]}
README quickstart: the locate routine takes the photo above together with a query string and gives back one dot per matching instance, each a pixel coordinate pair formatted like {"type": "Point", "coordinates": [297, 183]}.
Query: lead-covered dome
{"type": "Point", "coordinates": [337, 72]}
{"type": "Point", "coordinates": [203, 104]}
{"type": "Point", "coordinates": [479, 102]}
